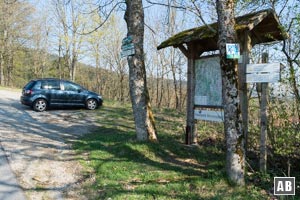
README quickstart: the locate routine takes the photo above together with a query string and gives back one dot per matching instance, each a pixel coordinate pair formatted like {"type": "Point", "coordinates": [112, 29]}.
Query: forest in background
{"type": "Point", "coordinates": [42, 40]}
{"type": "Point", "coordinates": [56, 39]}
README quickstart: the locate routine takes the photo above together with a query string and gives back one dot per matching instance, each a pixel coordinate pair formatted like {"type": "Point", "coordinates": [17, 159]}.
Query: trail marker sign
{"type": "Point", "coordinates": [232, 51]}
{"type": "Point", "coordinates": [127, 48]}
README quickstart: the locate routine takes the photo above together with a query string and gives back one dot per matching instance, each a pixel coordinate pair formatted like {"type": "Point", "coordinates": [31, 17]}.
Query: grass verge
{"type": "Point", "coordinates": [123, 168]}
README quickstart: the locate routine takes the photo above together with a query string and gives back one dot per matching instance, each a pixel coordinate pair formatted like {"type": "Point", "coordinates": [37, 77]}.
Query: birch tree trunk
{"type": "Point", "coordinates": [143, 117]}
{"type": "Point", "coordinates": [235, 155]}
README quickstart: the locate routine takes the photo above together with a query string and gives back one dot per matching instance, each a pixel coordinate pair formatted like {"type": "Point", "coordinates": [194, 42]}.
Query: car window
{"type": "Point", "coordinates": [71, 86]}
{"type": "Point", "coordinates": [50, 85]}
{"type": "Point", "coordinates": [37, 85]}
{"type": "Point", "coordinates": [29, 85]}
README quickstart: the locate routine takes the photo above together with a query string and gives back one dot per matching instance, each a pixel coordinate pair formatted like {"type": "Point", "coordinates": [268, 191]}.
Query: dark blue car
{"type": "Point", "coordinates": [43, 93]}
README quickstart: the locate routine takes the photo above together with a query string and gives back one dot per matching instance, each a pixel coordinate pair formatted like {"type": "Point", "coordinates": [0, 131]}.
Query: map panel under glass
{"type": "Point", "coordinates": [208, 88]}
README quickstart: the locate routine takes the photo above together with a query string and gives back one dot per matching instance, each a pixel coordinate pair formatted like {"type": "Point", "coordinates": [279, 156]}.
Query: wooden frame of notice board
{"type": "Point", "coordinates": [208, 104]}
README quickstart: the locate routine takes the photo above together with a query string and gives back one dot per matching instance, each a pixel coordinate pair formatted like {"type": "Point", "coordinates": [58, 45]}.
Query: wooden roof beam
{"type": "Point", "coordinates": [183, 49]}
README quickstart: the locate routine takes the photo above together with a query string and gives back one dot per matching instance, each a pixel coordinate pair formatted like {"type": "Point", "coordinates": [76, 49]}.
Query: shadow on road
{"type": "Point", "coordinates": [37, 144]}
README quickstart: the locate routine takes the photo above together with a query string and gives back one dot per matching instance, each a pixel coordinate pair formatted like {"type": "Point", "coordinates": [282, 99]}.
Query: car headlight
{"type": "Point", "coordinates": [100, 97]}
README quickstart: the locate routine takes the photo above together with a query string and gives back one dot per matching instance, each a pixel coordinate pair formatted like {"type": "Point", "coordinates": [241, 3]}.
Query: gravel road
{"type": "Point", "coordinates": [37, 146]}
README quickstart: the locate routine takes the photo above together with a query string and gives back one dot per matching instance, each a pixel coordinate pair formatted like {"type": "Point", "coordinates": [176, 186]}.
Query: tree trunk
{"type": "Point", "coordinates": [143, 117]}
{"type": "Point", "coordinates": [1, 69]}
{"type": "Point", "coordinates": [235, 155]}
{"type": "Point", "coordinates": [73, 66]}
{"type": "Point", "coordinates": [157, 88]}
{"type": "Point", "coordinates": [10, 66]}
{"type": "Point", "coordinates": [295, 88]}
{"type": "Point", "coordinates": [175, 86]}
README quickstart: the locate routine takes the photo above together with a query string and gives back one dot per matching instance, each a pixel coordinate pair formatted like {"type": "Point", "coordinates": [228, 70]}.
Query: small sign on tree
{"type": "Point", "coordinates": [232, 51]}
{"type": "Point", "coordinates": [127, 47]}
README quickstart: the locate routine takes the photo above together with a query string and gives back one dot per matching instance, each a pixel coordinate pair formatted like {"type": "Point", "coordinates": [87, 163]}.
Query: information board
{"type": "Point", "coordinates": [208, 86]}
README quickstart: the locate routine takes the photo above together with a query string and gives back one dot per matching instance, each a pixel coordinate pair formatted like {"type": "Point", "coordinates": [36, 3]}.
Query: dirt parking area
{"type": "Point", "coordinates": [38, 147]}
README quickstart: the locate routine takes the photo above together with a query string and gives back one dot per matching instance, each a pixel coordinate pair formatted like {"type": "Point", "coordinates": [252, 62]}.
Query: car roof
{"type": "Point", "coordinates": [48, 79]}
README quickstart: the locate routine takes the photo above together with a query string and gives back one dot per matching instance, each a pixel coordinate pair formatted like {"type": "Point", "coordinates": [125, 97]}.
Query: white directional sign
{"type": "Point", "coordinates": [263, 73]}
{"type": "Point", "coordinates": [209, 115]}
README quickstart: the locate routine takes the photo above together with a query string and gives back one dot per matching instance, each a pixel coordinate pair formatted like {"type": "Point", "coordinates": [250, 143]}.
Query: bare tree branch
{"type": "Point", "coordinates": [201, 18]}
{"type": "Point", "coordinates": [105, 19]}
{"type": "Point", "coordinates": [166, 5]}
{"type": "Point", "coordinates": [192, 9]}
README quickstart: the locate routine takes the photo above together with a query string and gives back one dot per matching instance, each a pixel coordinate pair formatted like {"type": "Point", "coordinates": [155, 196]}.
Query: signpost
{"type": "Point", "coordinates": [263, 73]}
{"type": "Point", "coordinates": [127, 47]}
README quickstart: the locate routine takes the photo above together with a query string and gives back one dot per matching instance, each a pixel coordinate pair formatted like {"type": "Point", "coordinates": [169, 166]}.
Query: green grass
{"type": "Point", "coordinates": [124, 168]}
{"type": "Point", "coordinates": [11, 89]}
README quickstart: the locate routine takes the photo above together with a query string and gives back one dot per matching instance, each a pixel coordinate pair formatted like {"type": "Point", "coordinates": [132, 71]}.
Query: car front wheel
{"type": "Point", "coordinates": [91, 104]}
{"type": "Point", "coordinates": [40, 105]}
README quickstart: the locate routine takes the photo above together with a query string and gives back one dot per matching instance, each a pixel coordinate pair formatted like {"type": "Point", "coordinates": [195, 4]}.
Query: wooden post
{"type": "Point", "coordinates": [246, 49]}
{"type": "Point", "coordinates": [263, 122]}
{"type": "Point", "coordinates": [190, 121]}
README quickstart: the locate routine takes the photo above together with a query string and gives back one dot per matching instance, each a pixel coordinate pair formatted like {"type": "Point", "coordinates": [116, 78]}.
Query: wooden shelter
{"type": "Point", "coordinates": [255, 28]}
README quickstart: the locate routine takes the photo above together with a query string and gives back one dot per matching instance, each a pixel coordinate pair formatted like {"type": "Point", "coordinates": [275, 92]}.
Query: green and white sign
{"type": "Point", "coordinates": [127, 48]}
{"type": "Point", "coordinates": [232, 51]}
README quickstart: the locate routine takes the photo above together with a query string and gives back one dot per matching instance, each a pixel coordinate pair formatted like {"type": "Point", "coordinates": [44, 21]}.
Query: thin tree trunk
{"type": "Point", "coordinates": [235, 155]}
{"type": "Point", "coordinates": [157, 87]}
{"type": "Point", "coordinates": [175, 86]}
{"type": "Point", "coordinates": [73, 66]}
{"type": "Point", "coordinates": [1, 69]}
{"type": "Point", "coordinates": [292, 73]}
{"type": "Point", "coordinates": [143, 117]}
{"type": "Point", "coordinates": [162, 89]}
{"type": "Point", "coordinates": [168, 100]}
{"type": "Point", "coordinates": [10, 66]}
{"type": "Point", "coordinates": [97, 71]}
{"type": "Point", "coordinates": [295, 88]}
{"type": "Point", "coordinates": [59, 59]}
{"type": "Point", "coordinates": [122, 76]}
{"type": "Point", "coordinates": [180, 91]}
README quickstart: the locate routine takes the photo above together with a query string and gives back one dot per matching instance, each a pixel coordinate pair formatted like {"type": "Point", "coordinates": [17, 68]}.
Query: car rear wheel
{"type": "Point", "coordinates": [91, 104]}
{"type": "Point", "coordinates": [40, 105]}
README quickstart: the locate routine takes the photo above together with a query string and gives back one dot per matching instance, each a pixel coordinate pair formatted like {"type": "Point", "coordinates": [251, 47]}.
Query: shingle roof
{"type": "Point", "coordinates": [264, 26]}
